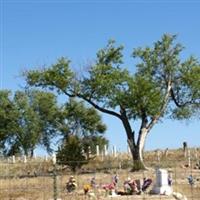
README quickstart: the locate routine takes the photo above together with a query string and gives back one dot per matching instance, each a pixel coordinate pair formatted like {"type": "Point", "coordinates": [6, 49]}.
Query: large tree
{"type": "Point", "coordinates": [27, 120]}
{"type": "Point", "coordinates": [7, 117]}
{"type": "Point", "coordinates": [162, 85]}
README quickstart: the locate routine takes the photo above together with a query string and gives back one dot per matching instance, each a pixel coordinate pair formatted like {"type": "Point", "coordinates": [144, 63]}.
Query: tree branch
{"type": "Point", "coordinates": [130, 133]}
{"type": "Point", "coordinates": [143, 126]}
{"type": "Point", "coordinates": [104, 110]}
{"type": "Point", "coordinates": [183, 104]}
{"type": "Point", "coordinates": [162, 110]}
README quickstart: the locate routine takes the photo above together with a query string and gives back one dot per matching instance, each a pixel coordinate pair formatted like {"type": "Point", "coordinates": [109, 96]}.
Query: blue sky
{"type": "Point", "coordinates": [36, 33]}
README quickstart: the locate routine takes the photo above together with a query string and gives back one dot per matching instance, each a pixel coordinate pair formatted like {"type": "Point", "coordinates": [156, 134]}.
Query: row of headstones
{"type": "Point", "coordinates": [114, 152]}
{"type": "Point", "coordinates": [14, 159]}
{"type": "Point", "coordinates": [105, 152]}
{"type": "Point", "coordinates": [186, 151]}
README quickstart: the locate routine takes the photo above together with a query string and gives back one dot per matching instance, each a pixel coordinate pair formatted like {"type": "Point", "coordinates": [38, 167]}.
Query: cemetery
{"type": "Point", "coordinates": [108, 176]}
{"type": "Point", "coordinates": [107, 120]}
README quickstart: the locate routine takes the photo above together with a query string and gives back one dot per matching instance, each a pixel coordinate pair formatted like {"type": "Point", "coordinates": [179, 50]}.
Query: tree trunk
{"type": "Point", "coordinates": [32, 152]}
{"type": "Point", "coordinates": [137, 150]}
{"type": "Point", "coordinates": [137, 155]}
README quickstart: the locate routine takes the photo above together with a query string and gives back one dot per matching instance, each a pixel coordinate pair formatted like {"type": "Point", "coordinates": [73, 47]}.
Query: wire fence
{"type": "Point", "coordinates": [40, 178]}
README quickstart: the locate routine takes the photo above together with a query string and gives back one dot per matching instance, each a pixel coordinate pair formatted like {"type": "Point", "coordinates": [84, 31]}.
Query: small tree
{"type": "Point", "coordinates": [71, 153]}
{"type": "Point", "coordinates": [81, 128]}
{"type": "Point", "coordinates": [84, 122]}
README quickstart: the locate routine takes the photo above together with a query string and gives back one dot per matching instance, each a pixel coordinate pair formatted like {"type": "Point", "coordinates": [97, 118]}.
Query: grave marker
{"type": "Point", "coordinates": [97, 150]}
{"type": "Point", "coordinates": [13, 159]}
{"type": "Point", "coordinates": [161, 186]}
{"type": "Point", "coordinates": [114, 151]}
{"type": "Point", "coordinates": [189, 158]}
{"type": "Point", "coordinates": [54, 158]}
{"type": "Point", "coordinates": [105, 150]}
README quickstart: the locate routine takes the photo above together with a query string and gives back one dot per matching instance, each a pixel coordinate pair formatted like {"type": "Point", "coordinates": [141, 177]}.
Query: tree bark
{"type": "Point", "coordinates": [136, 149]}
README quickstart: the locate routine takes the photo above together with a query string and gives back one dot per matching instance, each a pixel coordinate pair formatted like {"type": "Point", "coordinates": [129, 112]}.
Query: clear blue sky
{"type": "Point", "coordinates": [36, 33]}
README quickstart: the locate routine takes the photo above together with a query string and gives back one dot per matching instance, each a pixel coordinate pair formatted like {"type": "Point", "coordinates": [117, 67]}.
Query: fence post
{"type": "Point", "coordinates": [55, 189]}
{"type": "Point", "coordinates": [189, 158]}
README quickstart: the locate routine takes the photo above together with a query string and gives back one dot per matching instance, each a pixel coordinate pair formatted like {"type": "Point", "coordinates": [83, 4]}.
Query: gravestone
{"type": "Point", "coordinates": [196, 153]}
{"type": "Point", "coordinates": [54, 158]}
{"type": "Point", "coordinates": [166, 152]}
{"type": "Point", "coordinates": [158, 154]}
{"type": "Point", "coordinates": [105, 150]}
{"type": "Point", "coordinates": [97, 150]}
{"type": "Point", "coordinates": [114, 151]}
{"type": "Point", "coordinates": [89, 153]}
{"type": "Point", "coordinates": [13, 159]}
{"type": "Point", "coordinates": [162, 186]}
{"type": "Point", "coordinates": [189, 158]}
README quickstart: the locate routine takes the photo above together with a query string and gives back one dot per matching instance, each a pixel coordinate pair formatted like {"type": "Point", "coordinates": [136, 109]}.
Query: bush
{"type": "Point", "coordinates": [70, 153]}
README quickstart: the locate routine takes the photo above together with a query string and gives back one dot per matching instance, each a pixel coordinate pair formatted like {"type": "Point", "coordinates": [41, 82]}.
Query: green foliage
{"type": "Point", "coordinates": [70, 153]}
{"type": "Point", "coordinates": [59, 76]}
{"type": "Point", "coordinates": [85, 123]}
{"type": "Point", "coordinates": [7, 117]}
{"type": "Point", "coordinates": [82, 120]}
{"type": "Point", "coordinates": [27, 120]}
{"type": "Point", "coordinates": [93, 140]}
{"type": "Point", "coordinates": [163, 85]}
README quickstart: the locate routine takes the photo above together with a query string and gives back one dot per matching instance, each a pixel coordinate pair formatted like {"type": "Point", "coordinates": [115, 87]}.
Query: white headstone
{"type": "Point", "coordinates": [89, 152]}
{"type": "Point", "coordinates": [13, 159]}
{"type": "Point", "coordinates": [189, 158]}
{"type": "Point", "coordinates": [54, 158]}
{"type": "Point", "coordinates": [162, 186]}
{"type": "Point", "coordinates": [158, 155]}
{"type": "Point", "coordinates": [97, 150]}
{"type": "Point", "coordinates": [105, 150]}
{"type": "Point", "coordinates": [196, 153]}
{"type": "Point", "coordinates": [115, 151]}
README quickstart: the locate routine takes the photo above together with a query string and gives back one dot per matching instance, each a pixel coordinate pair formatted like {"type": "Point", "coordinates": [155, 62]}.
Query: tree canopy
{"type": "Point", "coordinates": [31, 118]}
{"type": "Point", "coordinates": [28, 119]}
{"type": "Point", "coordinates": [84, 122]}
{"type": "Point", "coordinates": [163, 85]}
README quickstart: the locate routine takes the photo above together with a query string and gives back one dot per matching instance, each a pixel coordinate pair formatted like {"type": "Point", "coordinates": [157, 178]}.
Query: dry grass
{"type": "Point", "coordinates": [34, 180]}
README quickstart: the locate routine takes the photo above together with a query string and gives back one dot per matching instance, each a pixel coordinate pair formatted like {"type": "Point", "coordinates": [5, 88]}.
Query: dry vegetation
{"type": "Point", "coordinates": [34, 180]}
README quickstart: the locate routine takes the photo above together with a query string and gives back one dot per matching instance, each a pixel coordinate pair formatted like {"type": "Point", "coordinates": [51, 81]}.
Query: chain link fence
{"type": "Point", "coordinates": [40, 178]}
